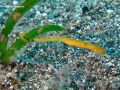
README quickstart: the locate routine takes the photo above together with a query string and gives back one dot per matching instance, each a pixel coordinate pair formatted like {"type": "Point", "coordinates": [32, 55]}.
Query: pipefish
{"type": "Point", "coordinates": [69, 41]}
{"type": "Point", "coordinates": [73, 42]}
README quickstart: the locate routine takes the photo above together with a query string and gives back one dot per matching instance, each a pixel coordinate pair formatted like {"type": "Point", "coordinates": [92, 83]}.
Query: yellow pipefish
{"type": "Point", "coordinates": [69, 41]}
{"type": "Point", "coordinates": [73, 42]}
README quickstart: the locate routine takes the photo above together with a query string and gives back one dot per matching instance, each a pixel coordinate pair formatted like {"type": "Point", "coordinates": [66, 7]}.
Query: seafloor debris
{"type": "Point", "coordinates": [55, 65]}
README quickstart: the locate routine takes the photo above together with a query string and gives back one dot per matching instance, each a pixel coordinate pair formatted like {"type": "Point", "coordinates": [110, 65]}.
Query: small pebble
{"type": "Point", "coordinates": [15, 3]}
{"type": "Point", "coordinates": [44, 14]}
{"type": "Point", "coordinates": [109, 11]}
